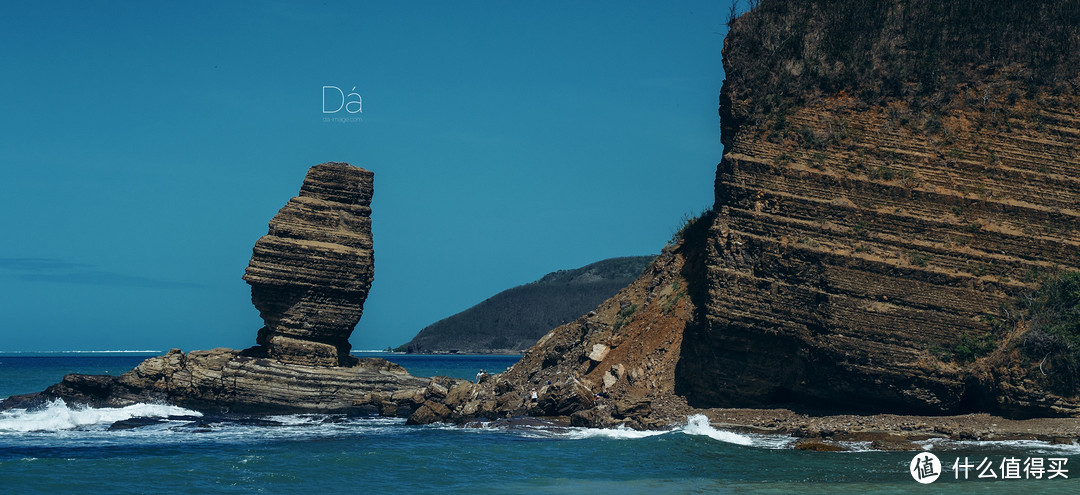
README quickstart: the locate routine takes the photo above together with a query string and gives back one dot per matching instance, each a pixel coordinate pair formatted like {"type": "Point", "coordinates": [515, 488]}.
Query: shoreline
{"type": "Point", "coordinates": [882, 432]}
{"type": "Point", "coordinates": [820, 432]}
{"type": "Point", "coordinates": [891, 431]}
{"type": "Point", "coordinates": [879, 432]}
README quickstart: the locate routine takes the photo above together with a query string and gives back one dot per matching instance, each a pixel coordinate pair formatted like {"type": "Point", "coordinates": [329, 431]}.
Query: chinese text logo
{"type": "Point", "coordinates": [925, 468]}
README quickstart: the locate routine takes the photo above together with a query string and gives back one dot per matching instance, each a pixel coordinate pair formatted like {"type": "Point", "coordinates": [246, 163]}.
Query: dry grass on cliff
{"type": "Point", "coordinates": [923, 52]}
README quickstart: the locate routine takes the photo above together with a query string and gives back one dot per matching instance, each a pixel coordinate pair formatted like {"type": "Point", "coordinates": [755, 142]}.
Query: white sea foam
{"type": "Point", "coordinates": [297, 419]}
{"type": "Point", "coordinates": [620, 432]}
{"type": "Point", "coordinates": [58, 416]}
{"type": "Point", "coordinates": [698, 424]}
{"type": "Point", "coordinates": [1035, 446]}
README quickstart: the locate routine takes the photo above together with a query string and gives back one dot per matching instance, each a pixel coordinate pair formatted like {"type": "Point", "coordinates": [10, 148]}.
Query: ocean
{"type": "Point", "coordinates": [158, 448]}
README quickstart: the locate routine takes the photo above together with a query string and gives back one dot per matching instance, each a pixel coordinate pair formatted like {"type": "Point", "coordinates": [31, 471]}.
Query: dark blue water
{"type": "Point", "coordinates": [23, 373]}
{"type": "Point", "coordinates": [68, 449]}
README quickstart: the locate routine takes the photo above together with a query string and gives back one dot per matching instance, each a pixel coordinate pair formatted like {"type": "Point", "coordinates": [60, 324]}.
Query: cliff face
{"type": "Point", "coordinates": [516, 318]}
{"type": "Point", "coordinates": [311, 273]}
{"type": "Point", "coordinates": [872, 225]}
{"type": "Point", "coordinates": [895, 175]}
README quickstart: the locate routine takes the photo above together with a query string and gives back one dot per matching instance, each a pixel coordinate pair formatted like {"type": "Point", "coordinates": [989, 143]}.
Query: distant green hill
{"type": "Point", "coordinates": [515, 319]}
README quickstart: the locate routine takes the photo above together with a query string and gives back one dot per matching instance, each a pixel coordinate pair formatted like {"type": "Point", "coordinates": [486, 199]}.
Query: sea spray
{"type": "Point", "coordinates": [620, 433]}
{"type": "Point", "coordinates": [57, 415]}
{"type": "Point", "coordinates": [698, 424]}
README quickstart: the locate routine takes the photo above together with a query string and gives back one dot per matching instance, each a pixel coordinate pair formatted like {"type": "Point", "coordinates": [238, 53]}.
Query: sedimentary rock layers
{"type": "Point", "coordinates": [311, 273]}
{"type": "Point", "coordinates": [870, 260]}
{"type": "Point", "coordinates": [227, 381]}
{"type": "Point", "coordinates": [862, 249]}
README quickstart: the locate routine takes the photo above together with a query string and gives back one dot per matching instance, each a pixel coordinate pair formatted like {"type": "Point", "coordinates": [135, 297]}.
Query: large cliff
{"type": "Point", "coordinates": [895, 177]}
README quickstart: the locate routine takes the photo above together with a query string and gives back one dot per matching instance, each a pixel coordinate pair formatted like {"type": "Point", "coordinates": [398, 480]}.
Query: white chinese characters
{"type": "Point", "coordinates": [1012, 468]}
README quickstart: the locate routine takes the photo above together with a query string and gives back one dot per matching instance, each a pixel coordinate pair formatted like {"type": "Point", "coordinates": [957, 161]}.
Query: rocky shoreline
{"type": "Point", "coordinates": [225, 381]}
{"type": "Point", "coordinates": [469, 404]}
{"type": "Point", "coordinates": [887, 432]}
{"type": "Point", "coordinates": [891, 431]}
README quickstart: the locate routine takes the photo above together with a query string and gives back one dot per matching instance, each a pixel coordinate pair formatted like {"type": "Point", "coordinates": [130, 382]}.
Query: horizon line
{"type": "Point", "coordinates": [128, 351]}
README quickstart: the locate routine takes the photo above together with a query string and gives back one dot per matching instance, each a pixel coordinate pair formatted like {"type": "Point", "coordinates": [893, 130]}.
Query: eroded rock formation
{"type": "Point", "coordinates": [309, 277]}
{"type": "Point", "coordinates": [311, 272]}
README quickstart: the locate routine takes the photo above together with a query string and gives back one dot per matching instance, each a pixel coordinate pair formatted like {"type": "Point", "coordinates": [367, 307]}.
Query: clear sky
{"type": "Point", "coordinates": [145, 145]}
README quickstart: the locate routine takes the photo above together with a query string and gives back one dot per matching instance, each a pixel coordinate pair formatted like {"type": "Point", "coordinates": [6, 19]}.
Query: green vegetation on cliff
{"type": "Point", "coordinates": [1051, 317]}
{"type": "Point", "coordinates": [923, 52]}
{"type": "Point", "coordinates": [514, 319]}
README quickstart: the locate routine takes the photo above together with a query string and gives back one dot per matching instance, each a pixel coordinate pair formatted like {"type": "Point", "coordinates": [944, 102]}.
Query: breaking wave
{"type": "Point", "coordinates": [58, 416]}
{"type": "Point", "coordinates": [620, 432]}
{"type": "Point", "coordinates": [698, 424]}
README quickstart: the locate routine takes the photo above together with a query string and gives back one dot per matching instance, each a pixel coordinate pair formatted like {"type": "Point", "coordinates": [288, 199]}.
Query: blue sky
{"type": "Point", "coordinates": [146, 145]}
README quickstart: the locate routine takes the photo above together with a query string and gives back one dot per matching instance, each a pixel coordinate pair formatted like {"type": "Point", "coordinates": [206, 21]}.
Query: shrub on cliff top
{"type": "Point", "coordinates": [690, 222]}
{"type": "Point", "coordinates": [1052, 315]}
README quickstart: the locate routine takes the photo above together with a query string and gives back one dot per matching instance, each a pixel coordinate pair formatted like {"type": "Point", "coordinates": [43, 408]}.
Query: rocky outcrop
{"type": "Point", "coordinates": [223, 380]}
{"type": "Point", "coordinates": [309, 277]}
{"type": "Point", "coordinates": [226, 381]}
{"type": "Point", "coordinates": [311, 273]}
{"type": "Point", "coordinates": [514, 319]}
{"type": "Point", "coordinates": [612, 366]}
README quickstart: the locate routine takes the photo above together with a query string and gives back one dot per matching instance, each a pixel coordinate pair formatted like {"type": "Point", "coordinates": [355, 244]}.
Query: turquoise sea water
{"type": "Point", "coordinates": [67, 449]}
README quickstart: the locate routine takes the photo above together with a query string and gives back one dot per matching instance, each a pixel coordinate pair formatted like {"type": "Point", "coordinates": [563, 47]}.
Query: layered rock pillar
{"type": "Point", "coordinates": [311, 273]}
